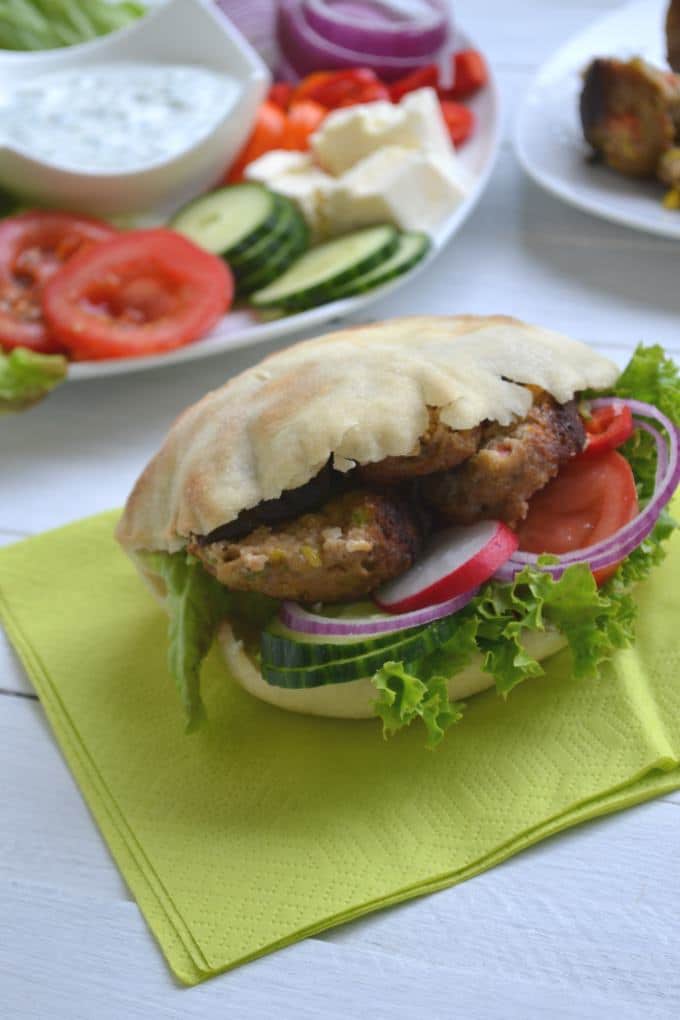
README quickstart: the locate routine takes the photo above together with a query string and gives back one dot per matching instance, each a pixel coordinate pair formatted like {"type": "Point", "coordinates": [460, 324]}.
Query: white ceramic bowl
{"type": "Point", "coordinates": [179, 32]}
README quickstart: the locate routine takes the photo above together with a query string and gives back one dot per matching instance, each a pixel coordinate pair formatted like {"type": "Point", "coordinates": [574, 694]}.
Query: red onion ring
{"type": "Point", "coordinates": [296, 618]}
{"type": "Point", "coordinates": [305, 50]}
{"type": "Point", "coordinates": [412, 33]}
{"type": "Point", "coordinates": [631, 535]}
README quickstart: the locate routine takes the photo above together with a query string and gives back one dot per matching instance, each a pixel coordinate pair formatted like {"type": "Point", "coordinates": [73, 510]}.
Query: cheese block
{"type": "Point", "coordinates": [347, 136]}
{"type": "Point", "coordinates": [413, 190]}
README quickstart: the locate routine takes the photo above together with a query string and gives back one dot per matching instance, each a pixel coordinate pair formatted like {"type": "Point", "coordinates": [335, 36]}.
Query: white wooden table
{"type": "Point", "coordinates": [584, 925]}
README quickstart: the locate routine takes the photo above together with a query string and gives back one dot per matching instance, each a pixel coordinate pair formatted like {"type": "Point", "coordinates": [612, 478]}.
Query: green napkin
{"type": "Point", "coordinates": [264, 826]}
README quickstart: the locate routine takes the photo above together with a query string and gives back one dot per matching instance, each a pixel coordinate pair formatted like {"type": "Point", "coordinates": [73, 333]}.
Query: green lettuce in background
{"type": "Point", "coordinates": [596, 622]}
{"type": "Point", "coordinates": [26, 377]}
{"type": "Point", "coordinates": [50, 24]}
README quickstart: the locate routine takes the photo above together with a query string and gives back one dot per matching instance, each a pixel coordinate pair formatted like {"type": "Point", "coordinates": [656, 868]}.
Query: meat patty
{"type": "Point", "coordinates": [341, 552]}
{"type": "Point", "coordinates": [629, 113]}
{"type": "Point", "coordinates": [439, 449]}
{"type": "Point", "coordinates": [511, 464]}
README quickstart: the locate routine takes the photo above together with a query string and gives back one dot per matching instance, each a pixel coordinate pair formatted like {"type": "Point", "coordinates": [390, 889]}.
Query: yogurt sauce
{"type": "Point", "coordinates": [115, 117]}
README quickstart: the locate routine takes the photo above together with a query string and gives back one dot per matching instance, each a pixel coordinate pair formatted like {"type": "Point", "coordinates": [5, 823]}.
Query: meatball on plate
{"type": "Point", "coordinates": [599, 126]}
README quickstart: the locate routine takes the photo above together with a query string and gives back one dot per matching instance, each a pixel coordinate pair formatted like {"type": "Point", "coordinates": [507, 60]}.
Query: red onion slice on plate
{"type": "Point", "coordinates": [387, 28]}
{"type": "Point", "coordinates": [306, 50]}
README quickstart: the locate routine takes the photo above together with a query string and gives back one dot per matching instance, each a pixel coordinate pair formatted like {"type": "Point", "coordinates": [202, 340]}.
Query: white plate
{"type": "Point", "coordinates": [548, 138]}
{"type": "Point", "coordinates": [241, 328]}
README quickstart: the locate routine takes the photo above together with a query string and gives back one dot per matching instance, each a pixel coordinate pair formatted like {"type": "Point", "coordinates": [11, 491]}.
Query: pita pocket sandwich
{"type": "Point", "coordinates": [388, 519]}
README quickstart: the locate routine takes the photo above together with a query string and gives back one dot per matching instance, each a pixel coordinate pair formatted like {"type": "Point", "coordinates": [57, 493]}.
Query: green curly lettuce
{"type": "Point", "coordinates": [403, 697]}
{"type": "Point", "coordinates": [26, 377]}
{"type": "Point", "coordinates": [595, 622]}
{"type": "Point", "coordinates": [197, 603]}
{"type": "Point", "coordinates": [654, 378]}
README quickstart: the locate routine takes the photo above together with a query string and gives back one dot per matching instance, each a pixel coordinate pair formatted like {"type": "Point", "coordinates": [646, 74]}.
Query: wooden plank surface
{"type": "Point", "coordinates": [582, 926]}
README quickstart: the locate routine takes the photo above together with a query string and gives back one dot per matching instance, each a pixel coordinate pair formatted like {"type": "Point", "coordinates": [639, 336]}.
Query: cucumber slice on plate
{"type": "Point", "coordinates": [230, 220]}
{"type": "Point", "coordinates": [407, 646]}
{"type": "Point", "coordinates": [411, 249]}
{"type": "Point", "coordinates": [287, 251]}
{"type": "Point", "coordinates": [319, 271]}
{"type": "Point", "coordinates": [265, 249]}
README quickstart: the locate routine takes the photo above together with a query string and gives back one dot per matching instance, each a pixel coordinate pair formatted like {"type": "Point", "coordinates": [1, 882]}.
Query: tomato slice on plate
{"type": "Point", "coordinates": [139, 293]}
{"type": "Point", "coordinates": [335, 89]}
{"type": "Point", "coordinates": [606, 428]}
{"type": "Point", "coordinates": [302, 121]}
{"type": "Point", "coordinates": [33, 246]}
{"type": "Point", "coordinates": [589, 500]}
{"type": "Point", "coordinates": [470, 73]}
{"type": "Point", "coordinates": [459, 120]}
{"type": "Point", "coordinates": [267, 134]}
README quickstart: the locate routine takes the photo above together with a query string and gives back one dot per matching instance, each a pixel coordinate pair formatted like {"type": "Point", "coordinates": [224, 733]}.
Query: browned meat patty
{"type": "Point", "coordinates": [669, 167]}
{"type": "Point", "coordinates": [673, 34]}
{"type": "Point", "coordinates": [511, 464]}
{"type": "Point", "coordinates": [629, 113]}
{"type": "Point", "coordinates": [341, 552]}
{"type": "Point", "coordinates": [439, 449]}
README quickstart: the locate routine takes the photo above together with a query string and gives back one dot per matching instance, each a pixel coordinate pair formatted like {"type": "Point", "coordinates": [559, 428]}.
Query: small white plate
{"type": "Point", "coordinates": [241, 328]}
{"type": "Point", "coordinates": [548, 139]}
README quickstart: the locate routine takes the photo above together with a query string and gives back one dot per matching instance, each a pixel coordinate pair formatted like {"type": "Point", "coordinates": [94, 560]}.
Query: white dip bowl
{"type": "Point", "coordinates": [180, 32]}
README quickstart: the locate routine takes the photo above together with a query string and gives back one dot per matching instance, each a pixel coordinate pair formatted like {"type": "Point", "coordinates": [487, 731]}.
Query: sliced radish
{"type": "Point", "coordinates": [454, 561]}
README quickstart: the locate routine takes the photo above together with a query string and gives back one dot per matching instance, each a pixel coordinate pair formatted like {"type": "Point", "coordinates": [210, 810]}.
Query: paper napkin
{"type": "Point", "coordinates": [265, 826]}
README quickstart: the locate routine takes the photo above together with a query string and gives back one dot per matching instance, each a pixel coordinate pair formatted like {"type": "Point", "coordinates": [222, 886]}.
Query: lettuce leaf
{"type": "Point", "coordinates": [403, 697]}
{"type": "Point", "coordinates": [26, 377]}
{"type": "Point", "coordinates": [595, 622]}
{"type": "Point", "coordinates": [654, 378]}
{"type": "Point", "coordinates": [46, 24]}
{"type": "Point", "coordinates": [197, 603]}
{"type": "Point", "coordinates": [195, 606]}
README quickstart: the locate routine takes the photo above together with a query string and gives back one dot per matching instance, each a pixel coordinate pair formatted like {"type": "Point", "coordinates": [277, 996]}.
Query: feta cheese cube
{"type": "Point", "coordinates": [412, 189]}
{"type": "Point", "coordinates": [348, 135]}
{"type": "Point", "coordinates": [294, 175]}
{"type": "Point", "coordinates": [277, 162]}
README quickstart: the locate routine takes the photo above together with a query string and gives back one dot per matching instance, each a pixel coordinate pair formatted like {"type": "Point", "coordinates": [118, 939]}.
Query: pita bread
{"type": "Point", "coordinates": [354, 700]}
{"type": "Point", "coordinates": [358, 395]}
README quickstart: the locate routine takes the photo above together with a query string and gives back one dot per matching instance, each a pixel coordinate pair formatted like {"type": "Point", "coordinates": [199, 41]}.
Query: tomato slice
{"type": "Point", "coordinates": [423, 77]}
{"type": "Point", "coordinates": [607, 428]}
{"type": "Point", "coordinates": [302, 121]}
{"type": "Point", "coordinates": [139, 293]}
{"type": "Point", "coordinates": [280, 94]}
{"type": "Point", "coordinates": [267, 134]}
{"type": "Point", "coordinates": [470, 73]}
{"type": "Point", "coordinates": [334, 89]}
{"type": "Point", "coordinates": [33, 246]}
{"type": "Point", "coordinates": [589, 500]}
{"type": "Point", "coordinates": [459, 120]}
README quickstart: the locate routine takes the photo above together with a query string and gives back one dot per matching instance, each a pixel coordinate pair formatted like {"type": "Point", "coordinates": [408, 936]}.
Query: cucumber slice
{"type": "Point", "coordinates": [410, 250]}
{"type": "Point", "coordinates": [266, 247]}
{"type": "Point", "coordinates": [230, 220]}
{"type": "Point", "coordinates": [408, 649]}
{"type": "Point", "coordinates": [288, 649]}
{"type": "Point", "coordinates": [320, 270]}
{"type": "Point", "coordinates": [288, 251]}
